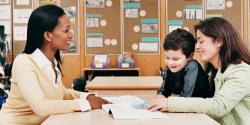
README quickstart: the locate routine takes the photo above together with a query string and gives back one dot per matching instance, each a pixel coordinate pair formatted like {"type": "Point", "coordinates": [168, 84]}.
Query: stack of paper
{"type": "Point", "coordinates": [130, 107]}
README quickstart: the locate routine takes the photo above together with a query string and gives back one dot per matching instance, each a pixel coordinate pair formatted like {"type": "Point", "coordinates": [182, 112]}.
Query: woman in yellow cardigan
{"type": "Point", "coordinates": [220, 45]}
{"type": "Point", "coordinates": [36, 87]}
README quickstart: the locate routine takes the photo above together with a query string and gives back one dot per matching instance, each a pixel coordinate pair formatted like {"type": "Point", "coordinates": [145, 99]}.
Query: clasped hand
{"type": "Point", "coordinates": [96, 102]}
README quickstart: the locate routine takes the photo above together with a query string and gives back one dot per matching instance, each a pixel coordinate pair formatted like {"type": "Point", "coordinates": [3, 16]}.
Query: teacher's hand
{"type": "Point", "coordinates": [96, 102]}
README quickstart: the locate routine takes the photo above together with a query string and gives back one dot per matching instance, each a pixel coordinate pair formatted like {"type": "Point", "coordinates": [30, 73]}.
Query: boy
{"type": "Point", "coordinates": [183, 76]}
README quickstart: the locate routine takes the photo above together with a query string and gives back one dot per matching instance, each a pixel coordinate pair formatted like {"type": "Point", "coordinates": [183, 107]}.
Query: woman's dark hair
{"type": "Point", "coordinates": [43, 19]}
{"type": "Point", "coordinates": [233, 50]}
{"type": "Point", "coordinates": [180, 39]}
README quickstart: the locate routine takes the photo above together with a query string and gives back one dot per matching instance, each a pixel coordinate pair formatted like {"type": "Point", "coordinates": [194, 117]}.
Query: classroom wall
{"type": "Point", "coordinates": [149, 64]}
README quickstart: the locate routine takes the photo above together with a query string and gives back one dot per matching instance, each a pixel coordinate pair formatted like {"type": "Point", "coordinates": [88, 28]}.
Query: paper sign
{"type": "Point", "coordinates": [94, 42]}
{"type": "Point", "coordinates": [5, 12]}
{"type": "Point", "coordinates": [148, 47]}
{"type": "Point", "coordinates": [20, 33]}
{"type": "Point", "coordinates": [21, 15]}
{"type": "Point", "coordinates": [22, 2]}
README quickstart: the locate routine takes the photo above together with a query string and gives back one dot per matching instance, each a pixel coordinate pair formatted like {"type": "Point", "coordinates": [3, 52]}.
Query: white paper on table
{"type": "Point", "coordinates": [94, 42]}
{"type": "Point", "coordinates": [148, 47]}
{"type": "Point", "coordinates": [120, 112]}
{"type": "Point", "coordinates": [130, 107]}
{"type": "Point", "coordinates": [21, 15]}
{"type": "Point", "coordinates": [5, 12]}
{"type": "Point", "coordinates": [20, 32]}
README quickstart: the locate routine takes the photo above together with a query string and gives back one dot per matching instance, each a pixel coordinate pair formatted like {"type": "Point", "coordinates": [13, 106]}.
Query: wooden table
{"type": "Point", "coordinates": [100, 117]}
{"type": "Point", "coordinates": [91, 73]}
{"type": "Point", "coordinates": [142, 86]}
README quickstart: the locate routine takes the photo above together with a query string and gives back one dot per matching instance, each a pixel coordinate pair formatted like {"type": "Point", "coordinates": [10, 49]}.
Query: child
{"type": "Point", "coordinates": [183, 76]}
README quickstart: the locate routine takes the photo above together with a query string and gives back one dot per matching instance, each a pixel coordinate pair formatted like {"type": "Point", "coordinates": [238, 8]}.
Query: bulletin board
{"type": "Point", "coordinates": [25, 8]}
{"type": "Point", "coordinates": [5, 20]}
{"type": "Point", "coordinates": [248, 15]}
{"type": "Point", "coordinates": [231, 10]}
{"type": "Point", "coordinates": [21, 13]}
{"type": "Point", "coordinates": [71, 8]}
{"type": "Point", "coordinates": [141, 26]}
{"type": "Point", "coordinates": [184, 14]}
{"type": "Point", "coordinates": [102, 26]}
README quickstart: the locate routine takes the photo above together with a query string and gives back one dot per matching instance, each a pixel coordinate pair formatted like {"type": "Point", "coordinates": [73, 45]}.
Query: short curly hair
{"type": "Point", "coordinates": [180, 39]}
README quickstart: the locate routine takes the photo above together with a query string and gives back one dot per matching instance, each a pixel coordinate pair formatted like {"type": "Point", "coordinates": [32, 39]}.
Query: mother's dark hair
{"type": "Point", "coordinates": [233, 50]}
{"type": "Point", "coordinates": [43, 19]}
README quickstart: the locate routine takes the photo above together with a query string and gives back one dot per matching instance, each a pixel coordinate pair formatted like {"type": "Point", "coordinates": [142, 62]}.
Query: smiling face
{"type": "Point", "coordinates": [208, 48]}
{"type": "Point", "coordinates": [61, 35]}
{"type": "Point", "coordinates": [175, 60]}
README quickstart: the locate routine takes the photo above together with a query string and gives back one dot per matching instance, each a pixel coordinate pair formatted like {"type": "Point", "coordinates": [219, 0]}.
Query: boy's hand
{"type": "Point", "coordinates": [96, 102]}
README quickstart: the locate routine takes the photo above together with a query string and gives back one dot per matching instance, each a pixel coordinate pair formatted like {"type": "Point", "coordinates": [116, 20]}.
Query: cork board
{"type": "Point", "coordinates": [71, 8]}
{"type": "Point", "coordinates": [137, 37]}
{"type": "Point", "coordinates": [18, 45]}
{"type": "Point", "coordinates": [176, 13]}
{"type": "Point", "coordinates": [103, 27]}
{"type": "Point", "coordinates": [233, 13]}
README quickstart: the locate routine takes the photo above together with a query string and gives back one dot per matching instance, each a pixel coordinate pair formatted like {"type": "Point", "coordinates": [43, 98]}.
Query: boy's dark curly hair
{"type": "Point", "coordinates": [180, 39]}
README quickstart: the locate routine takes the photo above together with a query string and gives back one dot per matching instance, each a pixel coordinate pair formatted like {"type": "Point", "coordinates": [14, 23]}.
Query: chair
{"type": "Point", "coordinates": [79, 84]}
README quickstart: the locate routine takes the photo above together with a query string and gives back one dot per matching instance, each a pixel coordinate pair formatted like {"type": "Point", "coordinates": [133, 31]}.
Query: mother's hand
{"type": "Point", "coordinates": [158, 104]}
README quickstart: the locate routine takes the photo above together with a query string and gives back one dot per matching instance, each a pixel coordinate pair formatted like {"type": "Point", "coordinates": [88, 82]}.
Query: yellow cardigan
{"type": "Point", "coordinates": [33, 97]}
{"type": "Point", "coordinates": [231, 102]}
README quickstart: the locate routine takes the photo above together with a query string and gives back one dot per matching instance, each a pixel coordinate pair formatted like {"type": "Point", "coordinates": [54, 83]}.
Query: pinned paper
{"type": "Point", "coordinates": [5, 12]}
{"type": "Point", "coordinates": [229, 4]}
{"type": "Point", "coordinates": [142, 13]}
{"type": "Point", "coordinates": [4, 1]}
{"type": "Point", "coordinates": [148, 47]}
{"type": "Point", "coordinates": [150, 39]}
{"type": "Point", "coordinates": [113, 42]}
{"type": "Point", "coordinates": [135, 46]}
{"type": "Point", "coordinates": [107, 42]}
{"type": "Point", "coordinates": [136, 28]}
{"type": "Point", "coordinates": [95, 3]}
{"type": "Point", "coordinates": [20, 33]}
{"type": "Point", "coordinates": [109, 3]}
{"type": "Point", "coordinates": [174, 24]}
{"type": "Point", "coordinates": [71, 12]}
{"type": "Point", "coordinates": [150, 21]}
{"type": "Point", "coordinates": [213, 15]}
{"type": "Point", "coordinates": [132, 5]}
{"type": "Point", "coordinates": [22, 15]}
{"type": "Point", "coordinates": [103, 22]}
{"type": "Point", "coordinates": [92, 22]}
{"type": "Point", "coordinates": [94, 42]}
{"type": "Point", "coordinates": [193, 12]}
{"type": "Point", "coordinates": [150, 28]}
{"type": "Point", "coordinates": [22, 2]}
{"type": "Point", "coordinates": [131, 13]}
{"type": "Point", "coordinates": [215, 4]}
{"type": "Point", "coordinates": [94, 34]}
{"type": "Point", "coordinates": [178, 13]}
{"type": "Point", "coordinates": [172, 28]}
